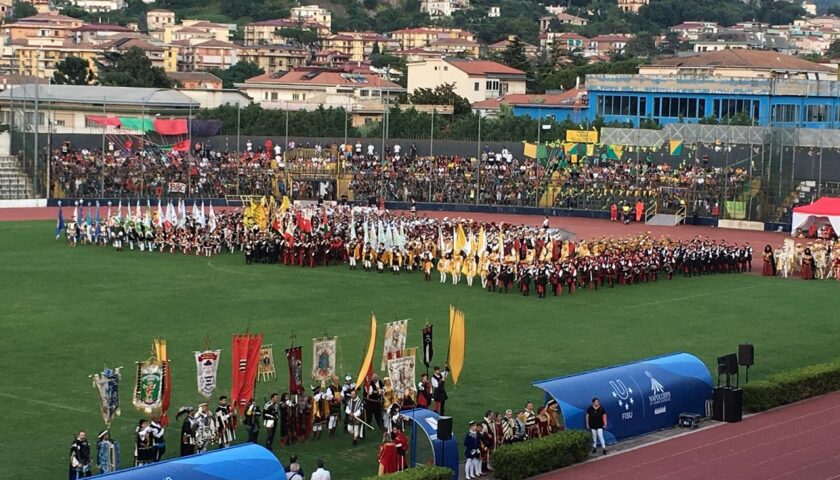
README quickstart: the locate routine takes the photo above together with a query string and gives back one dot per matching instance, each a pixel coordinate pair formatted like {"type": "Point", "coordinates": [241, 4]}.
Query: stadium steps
{"type": "Point", "coordinates": [663, 219]}
{"type": "Point", "coordinates": [14, 182]}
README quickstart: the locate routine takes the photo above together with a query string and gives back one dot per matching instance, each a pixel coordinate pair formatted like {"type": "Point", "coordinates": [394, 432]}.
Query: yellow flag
{"type": "Point", "coordinates": [460, 239]}
{"type": "Point", "coordinates": [367, 364]}
{"type": "Point", "coordinates": [285, 204]}
{"type": "Point", "coordinates": [261, 216]}
{"type": "Point", "coordinates": [160, 350]}
{"type": "Point", "coordinates": [501, 241]}
{"type": "Point", "coordinates": [457, 342]}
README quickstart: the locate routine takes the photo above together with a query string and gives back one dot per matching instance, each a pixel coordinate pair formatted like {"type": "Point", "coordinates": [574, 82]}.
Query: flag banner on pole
{"type": "Point", "coordinates": [457, 342]}
{"type": "Point", "coordinates": [246, 358]}
{"type": "Point", "coordinates": [395, 336]}
{"type": "Point", "coordinates": [107, 384]}
{"type": "Point", "coordinates": [149, 388]}
{"type": "Point", "coordinates": [323, 357]}
{"type": "Point", "coordinates": [366, 370]}
{"type": "Point", "coordinates": [294, 356]}
{"type": "Point", "coordinates": [401, 371]}
{"type": "Point", "coordinates": [675, 147]}
{"type": "Point", "coordinates": [162, 355]}
{"type": "Point", "coordinates": [265, 370]}
{"type": "Point", "coordinates": [428, 349]}
{"type": "Point", "coordinates": [207, 367]}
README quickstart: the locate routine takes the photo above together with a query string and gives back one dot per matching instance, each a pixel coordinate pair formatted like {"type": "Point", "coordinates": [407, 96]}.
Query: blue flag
{"type": "Point", "coordinates": [88, 220]}
{"type": "Point", "coordinates": [59, 226]}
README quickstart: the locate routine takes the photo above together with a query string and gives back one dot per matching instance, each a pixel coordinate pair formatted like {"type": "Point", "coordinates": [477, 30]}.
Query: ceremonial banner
{"type": "Point", "coordinates": [177, 187]}
{"type": "Point", "coordinates": [401, 371]}
{"type": "Point", "coordinates": [323, 357]}
{"type": "Point", "coordinates": [246, 358]}
{"type": "Point", "coordinates": [582, 136]}
{"type": "Point", "coordinates": [162, 355]}
{"type": "Point", "coordinates": [457, 342]}
{"type": "Point", "coordinates": [366, 370]}
{"type": "Point", "coordinates": [428, 350]}
{"type": "Point", "coordinates": [395, 335]}
{"type": "Point", "coordinates": [294, 356]}
{"type": "Point", "coordinates": [207, 366]}
{"type": "Point", "coordinates": [265, 370]}
{"type": "Point", "coordinates": [107, 384]}
{"type": "Point", "coordinates": [150, 386]}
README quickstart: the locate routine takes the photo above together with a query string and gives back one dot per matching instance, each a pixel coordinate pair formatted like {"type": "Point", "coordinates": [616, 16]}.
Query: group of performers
{"type": "Point", "coordinates": [202, 428]}
{"type": "Point", "coordinates": [818, 259]}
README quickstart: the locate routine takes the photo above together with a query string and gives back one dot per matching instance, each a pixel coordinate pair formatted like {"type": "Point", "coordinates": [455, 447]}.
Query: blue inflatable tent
{"type": "Point", "coordinates": [248, 460]}
{"type": "Point", "coordinates": [639, 397]}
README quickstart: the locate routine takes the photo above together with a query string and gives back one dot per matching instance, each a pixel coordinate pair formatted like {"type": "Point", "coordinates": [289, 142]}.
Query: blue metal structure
{"type": "Point", "coordinates": [444, 453]}
{"type": "Point", "coordinates": [248, 460]}
{"type": "Point", "coordinates": [639, 397]}
{"type": "Point", "coordinates": [774, 102]}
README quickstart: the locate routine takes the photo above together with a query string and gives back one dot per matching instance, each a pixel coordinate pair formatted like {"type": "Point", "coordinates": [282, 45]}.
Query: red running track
{"type": "Point", "coordinates": [796, 442]}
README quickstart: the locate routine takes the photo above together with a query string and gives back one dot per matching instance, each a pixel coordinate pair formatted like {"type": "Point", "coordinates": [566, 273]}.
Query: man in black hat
{"type": "Point", "coordinates": [188, 430]}
{"type": "Point", "coordinates": [271, 415]}
{"type": "Point", "coordinates": [225, 422]}
{"type": "Point", "coordinates": [107, 453]}
{"type": "Point", "coordinates": [252, 420]}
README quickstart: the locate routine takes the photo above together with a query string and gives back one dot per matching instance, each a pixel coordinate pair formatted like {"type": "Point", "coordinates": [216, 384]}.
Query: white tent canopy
{"type": "Point", "coordinates": [824, 210]}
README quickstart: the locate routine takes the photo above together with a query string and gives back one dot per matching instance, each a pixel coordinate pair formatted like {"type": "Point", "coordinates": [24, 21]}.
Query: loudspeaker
{"type": "Point", "coordinates": [728, 364]}
{"type": "Point", "coordinates": [444, 428]}
{"type": "Point", "coordinates": [726, 404]}
{"type": "Point", "coordinates": [745, 354]}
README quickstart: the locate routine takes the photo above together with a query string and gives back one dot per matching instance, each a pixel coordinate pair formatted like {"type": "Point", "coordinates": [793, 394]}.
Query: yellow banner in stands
{"type": "Point", "coordinates": [582, 136]}
{"type": "Point", "coordinates": [530, 150]}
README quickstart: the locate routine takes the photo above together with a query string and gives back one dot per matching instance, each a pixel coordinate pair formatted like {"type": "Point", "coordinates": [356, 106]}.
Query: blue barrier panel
{"type": "Point", "coordinates": [445, 452]}
{"type": "Point", "coordinates": [248, 460]}
{"type": "Point", "coordinates": [639, 397]}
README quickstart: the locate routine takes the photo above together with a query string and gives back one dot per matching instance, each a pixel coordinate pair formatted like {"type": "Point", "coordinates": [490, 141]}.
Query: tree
{"type": "Point", "coordinates": [833, 49]}
{"type": "Point", "coordinates": [131, 69]}
{"type": "Point", "coordinates": [23, 10]}
{"type": "Point", "coordinates": [375, 49]}
{"type": "Point", "coordinates": [73, 71]}
{"type": "Point", "coordinates": [237, 73]}
{"type": "Point", "coordinates": [642, 46]}
{"type": "Point", "coordinates": [299, 36]}
{"type": "Point", "coordinates": [441, 95]}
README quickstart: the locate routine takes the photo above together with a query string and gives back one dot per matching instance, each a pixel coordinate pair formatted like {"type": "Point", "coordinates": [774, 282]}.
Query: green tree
{"type": "Point", "coordinates": [299, 36]}
{"type": "Point", "coordinates": [237, 73]}
{"type": "Point", "coordinates": [131, 69]}
{"type": "Point", "coordinates": [833, 49]}
{"type": "Point", "coordinates": [23, 10]}
{"type": "Point", "coordinates": [642, 46]}
{"type": "Point", "coordinates": [441, 95]}
{"type": "Point", "coordinates": [73, 71]}
{"type": "Point", "coordinates": [375, 49]}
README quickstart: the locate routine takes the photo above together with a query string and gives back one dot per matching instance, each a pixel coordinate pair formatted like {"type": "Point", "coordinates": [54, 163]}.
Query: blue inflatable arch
{"type": "Point", "coordinates": [233, 463]}
{"type": "Point", "coordinates": [639, 397]}
{"type": "Point", "coordinates": [426, 447]}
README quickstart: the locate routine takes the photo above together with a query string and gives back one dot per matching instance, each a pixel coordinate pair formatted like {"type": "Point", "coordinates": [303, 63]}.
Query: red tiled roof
{"type": "Point", "coordinates": [454, 41]}
{"type": "Point", "coordinates": [217, 44]}
{"type": "Point", "coordinates": [741, 58]}
{"type": "Point", "coordinates": [483, 67]}
{"type": "Point", "coordinates": [567, 98]}
{"type": "Point", "coordinates": [307, 76]}
{"type": "Point", "coordinates": [102, 27]}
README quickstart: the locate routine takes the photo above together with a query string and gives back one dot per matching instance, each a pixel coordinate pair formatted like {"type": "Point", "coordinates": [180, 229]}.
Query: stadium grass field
{"type": "Point", "coordinates": [67, 312]}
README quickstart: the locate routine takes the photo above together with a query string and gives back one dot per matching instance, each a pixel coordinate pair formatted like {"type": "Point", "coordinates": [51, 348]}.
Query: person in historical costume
{"type": "Point", "coordinates": [252, 420]}
{"type": "Point", "coordinates": [529, 417]}
{"type": "Point", "coordinates": [439, 389]}
{"type": "Point", "coordinates": [287, 413]}
{"type": "Point", "coordinates": [107, 453]}
{"type": "Point", "coordinates": [206, 433]}
{"type": "Point", "coordinates": [807, 271]}
{"type": "Point", "coordinates": [424, 391]}
{"type": "Point", "coordinates": [225, 422]}
{"type": "Point", "coordinates": [158, 440]}
{"type": "Point", "coordinates": [271, 414]}
{"type": "Point", "coordinates": [389, 397]}
{"type": "Point", "coordinates": [334, 404]}
{"type": "Point", "coordinates": [443, 267]}
{"type": "Point", "coordinates": [374, 391]}
{"type": "Point", "coordinates": [388, 457]}
{"type": "Point", "coordinates": [355, 411]}
{"type": "Point", "coordinates": [304, 417]}
{"type": "Point", "coordinates": [346, 392]}
{"type": "Point", "coordinates": [188, 430]}
{"type": "Point", "coordinates": [472, 452]}
{"type": "Point", "coordinates": [144, 452]}
{"type": "Point", "coordinates": [80, 457]}
{"type": "Point", "coordinates": [320, 411]}
{"type": "Point", "coordinates": [769, 269]}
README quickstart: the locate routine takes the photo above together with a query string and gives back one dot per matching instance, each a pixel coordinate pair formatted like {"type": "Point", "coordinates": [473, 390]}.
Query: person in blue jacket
{"type": "Point", "coordinates": [472, 469]}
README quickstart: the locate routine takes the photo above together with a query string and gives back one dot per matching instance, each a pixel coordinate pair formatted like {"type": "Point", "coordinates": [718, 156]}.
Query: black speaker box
{"type": "Point", "coordinates": [726, 404]}
{"type": "Point", "coordinates": [728, 364]}
{"type": "Point", "coordinates": [746, 353]}
{"type": "Point", "coordinates": [444, 428]}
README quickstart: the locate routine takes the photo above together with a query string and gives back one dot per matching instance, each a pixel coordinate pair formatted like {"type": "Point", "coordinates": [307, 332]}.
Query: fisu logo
{"type": "Point", "coordinates": [624, 395]}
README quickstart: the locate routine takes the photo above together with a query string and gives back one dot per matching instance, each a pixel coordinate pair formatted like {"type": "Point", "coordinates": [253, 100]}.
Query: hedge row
{"type": "Point", "coordinates": [423, 472]}
{"type": "Point", "coordinates": [526, 459]}
{"type": "Point", "coordinates": [791, 386]}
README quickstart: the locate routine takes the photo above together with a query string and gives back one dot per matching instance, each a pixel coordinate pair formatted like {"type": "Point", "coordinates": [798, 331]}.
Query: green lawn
{"type": "Point", "coordinates": [66, 312]}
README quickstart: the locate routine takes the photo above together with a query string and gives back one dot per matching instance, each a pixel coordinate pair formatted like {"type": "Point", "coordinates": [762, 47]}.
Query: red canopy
{"type": "Point", "coordinates": [825, 206]}
{"type": "Point", "coordinates": [104, 121]}
{"type": "Point", "coordinates": [177, 126]}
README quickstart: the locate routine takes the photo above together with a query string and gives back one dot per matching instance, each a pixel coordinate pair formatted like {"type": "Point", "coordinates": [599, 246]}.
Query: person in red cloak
{"type": "Point", "coordinates": [389, 461]}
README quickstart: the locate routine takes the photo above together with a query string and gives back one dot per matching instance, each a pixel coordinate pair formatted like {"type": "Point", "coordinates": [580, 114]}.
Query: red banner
{"type": "Point", "coordinates": [104, 121]}
{"type": "Point", "coordinates": [177, 126]}
{"type": "Point", "coordinates": [295, 355]}
{"type": "Point", "coordinates": [182, 146]}
{"type": "Point", "coordinates": [246, 357]}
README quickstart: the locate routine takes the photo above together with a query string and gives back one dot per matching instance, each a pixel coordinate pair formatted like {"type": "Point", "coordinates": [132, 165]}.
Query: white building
{"type": "Point", "coordinates": [475, 80]}
{"type": "Point", "coordinates": [313, 13]}
{"type": "Point", "coordinates": [442, 8]}
{"type": "Point", "coordinates": [95, 6]}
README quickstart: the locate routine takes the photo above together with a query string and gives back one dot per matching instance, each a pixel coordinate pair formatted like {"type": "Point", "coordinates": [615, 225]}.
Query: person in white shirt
{"type": "Point", "coordinates": [294, 472]}
{"type": "Point", "coordinates": [249, 146]}
{"type": "Point", "coordinates": [320, 473]}
{"type": "Point", "coordinates": [370, 149]}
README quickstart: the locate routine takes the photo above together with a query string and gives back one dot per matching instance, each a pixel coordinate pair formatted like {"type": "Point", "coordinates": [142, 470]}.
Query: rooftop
{"type": "Point", "coordinates": [483, 67]}
{"type": "Point", "coordinates": [205, 77]}
{"type": "Point", "coordinates": [322, 77]}
{"type": "Point", "coordinates": [569, 98]}
{"type": "Point", "coordinates": [95, 94]}
{"type": "Point", "coordinates": [102, 27]}
{"type": "Point", "coordinates": [755, 59]}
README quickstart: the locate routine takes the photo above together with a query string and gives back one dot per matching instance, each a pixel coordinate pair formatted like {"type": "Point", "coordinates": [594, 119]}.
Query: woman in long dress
{"type": "Point", "coordinates": [769, 262]}
{"type": "Point", "coordinates": [807, 272]}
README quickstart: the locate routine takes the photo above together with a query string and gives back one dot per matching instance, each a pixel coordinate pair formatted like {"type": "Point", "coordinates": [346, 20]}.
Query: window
{"type": "Point", "coordinates": [816, 113]}
{"type": "Point", "coordinates": [475, 86]}
{"type": "Point", "coordinates": [675, 107]}
{"type": "Point", "coordinates": [273, 96]}
{"type": "Point", "coordinates": [728, 108]}
{"type": "Point", "coordinates": [786, 113]}
{"type": "Point", "coordinates": [364, 93]}
{"type": "Point", "coordinates": [445, 68]}
{"type": "Point", "coordinates": [492, 85]}
{"type": "Point", "coordinates": [376, 93]}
